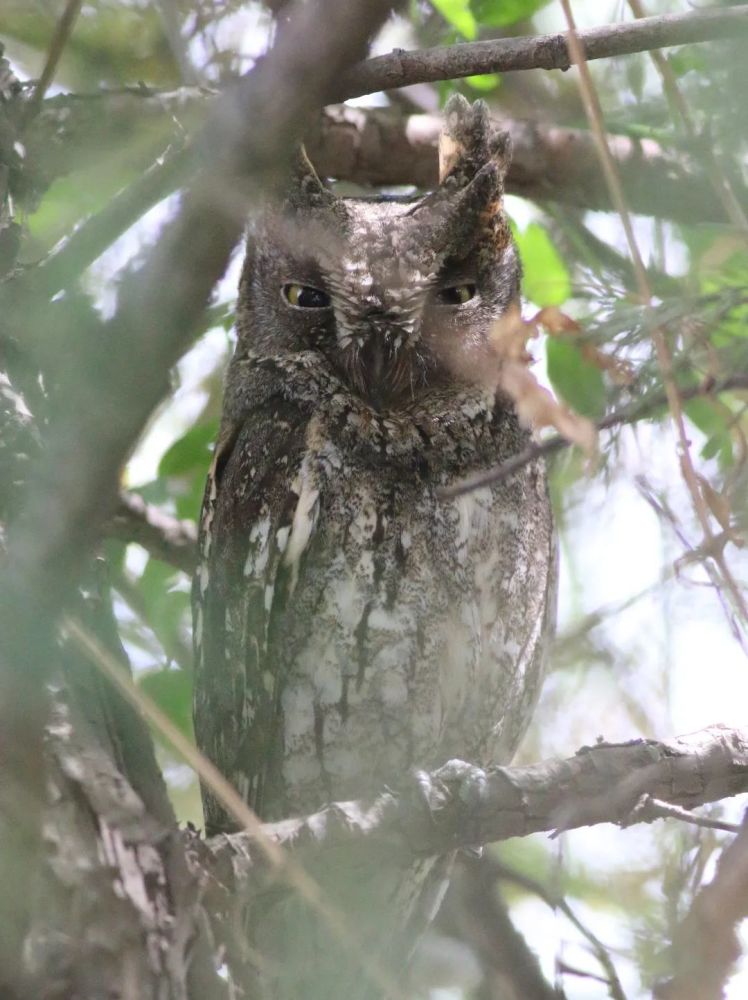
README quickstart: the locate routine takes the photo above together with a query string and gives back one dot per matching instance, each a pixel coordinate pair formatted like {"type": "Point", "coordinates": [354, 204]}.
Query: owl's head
{"type": "Point", "coordinates": [398, 295]}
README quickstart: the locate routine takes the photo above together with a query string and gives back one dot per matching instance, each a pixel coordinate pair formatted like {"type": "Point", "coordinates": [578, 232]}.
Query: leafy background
{"type": "Point", "coordinates": [647, 645]}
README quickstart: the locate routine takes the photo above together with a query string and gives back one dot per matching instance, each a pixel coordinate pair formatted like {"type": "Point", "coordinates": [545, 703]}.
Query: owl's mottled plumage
{"type": "Point", "coordinates": [350, 626]}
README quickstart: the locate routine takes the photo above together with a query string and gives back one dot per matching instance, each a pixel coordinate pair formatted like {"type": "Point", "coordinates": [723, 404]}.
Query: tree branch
{"type": "Point", "coordinates": [461, 805]}
{"type": "Point", "coordinates": [402, 69]}
{"type": "Point", "coordinates": [168, 539]}
{"type": "Point", "coordinates": [372, 146]}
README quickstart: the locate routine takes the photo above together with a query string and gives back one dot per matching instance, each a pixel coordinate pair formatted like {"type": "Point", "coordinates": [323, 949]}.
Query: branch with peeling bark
{"type": "Point", "coordinates": [371, 146]}
{"type": "Point", "coordinates": [461, 805]}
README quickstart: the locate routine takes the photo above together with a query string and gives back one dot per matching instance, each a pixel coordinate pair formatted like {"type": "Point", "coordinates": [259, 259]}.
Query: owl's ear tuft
{"type": "Point", "coordinates": [306, 192]}
{"type": "Point", "coordinates": [468, 142]}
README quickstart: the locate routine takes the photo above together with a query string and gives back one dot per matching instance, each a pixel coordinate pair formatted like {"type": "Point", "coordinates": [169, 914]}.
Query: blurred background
{"type": "Point", "coordinates": [650, 638]}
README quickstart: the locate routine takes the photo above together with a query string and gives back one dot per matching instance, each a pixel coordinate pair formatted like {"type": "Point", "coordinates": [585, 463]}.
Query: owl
{"type": "Point", "coordinates": [351, 626]}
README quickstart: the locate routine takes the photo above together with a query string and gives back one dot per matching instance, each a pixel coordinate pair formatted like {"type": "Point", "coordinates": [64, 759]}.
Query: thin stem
{"type": "Point", "coordinates": [60, 38]}
{"type": "Point", "coordinates": [650, 809]}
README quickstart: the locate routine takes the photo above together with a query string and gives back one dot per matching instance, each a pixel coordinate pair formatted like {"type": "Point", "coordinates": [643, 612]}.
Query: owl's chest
{"type": "Point", "coordinates": [403, 633]}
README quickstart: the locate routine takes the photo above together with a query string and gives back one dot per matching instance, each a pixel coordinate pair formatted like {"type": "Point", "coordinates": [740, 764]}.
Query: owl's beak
{"type": "Point", "coordinates": [380, 366]}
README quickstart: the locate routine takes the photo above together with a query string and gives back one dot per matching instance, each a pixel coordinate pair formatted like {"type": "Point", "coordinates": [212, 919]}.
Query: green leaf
{"type": "Point", "coordinates": [458, 14]}
{"type": "Point", "coordinates": [166, 604]}
{"type": "Point", "coordinates": [546, 280]}
{"type": "Point", "coordinates": [192, 451]}
{"type": "Point", "coordinates": [484, 81]}
{"type": "Point", "coordinates": [499, 13]}
{"type": "Point", "coordinates": [578, 382]}
{"type": "Point", "coordinates": [686, 59]}
{"type": "Point", "coordinates": [172, 692]}
{"type": "Point", "coordinates": [709, 418]}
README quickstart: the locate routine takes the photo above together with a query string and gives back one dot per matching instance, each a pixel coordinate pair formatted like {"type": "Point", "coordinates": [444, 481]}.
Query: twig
{"type": "Point", "coordinates": [630, 414]}
{"type": "Point", "coordinates": [662, 351]}
{"type": "Point", "coordinates": [706, 945]}
{"type": "Point", "coordinates": [401, 69]}
{"type": "Point", "coordinates": [168, 539]}
{"type": "Point", "coordinates": [60, 38]}
{"type": "Point", "coordinates": [273, 852]}
{"type": "Point", "coordinates": [650, 808]}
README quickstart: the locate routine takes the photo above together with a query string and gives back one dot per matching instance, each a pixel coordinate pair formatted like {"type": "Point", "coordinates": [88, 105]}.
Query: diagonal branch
{"type": "Point", "coordinates": [116, 377]}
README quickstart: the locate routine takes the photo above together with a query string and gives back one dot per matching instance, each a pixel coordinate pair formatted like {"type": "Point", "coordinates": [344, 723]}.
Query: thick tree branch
{"type": "Point", "coordinates": [402, 69]}
{"type": "Point", "coordinates": [372, 146]}
{"type": "Point", "coordinates": [461, 805]}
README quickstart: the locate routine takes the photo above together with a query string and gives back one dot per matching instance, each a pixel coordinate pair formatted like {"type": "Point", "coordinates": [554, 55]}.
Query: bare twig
{"type": "Point", "coordinates": [401, 69]}
{"type": "Point", "coordinates": [168, 539]}
{"type": "Point", "coordinates": [630, 414]}
{"type": "Point", "coordinates": [556, 901]}
{"type": "Point", "coordinates": [60, 38]}
{"type": "Point", "coordinates": [706, 945]}
{"type": "Point", "coordinates": [650, 808]}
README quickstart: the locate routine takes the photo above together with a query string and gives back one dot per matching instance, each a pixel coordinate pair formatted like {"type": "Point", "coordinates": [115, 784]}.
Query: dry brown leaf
{"type": "Point", "coordinates": [555, 321]}
{"type": "Point", "coordinates": [510, 334]}
{"type": "Point", "coordinates": [538, 408]}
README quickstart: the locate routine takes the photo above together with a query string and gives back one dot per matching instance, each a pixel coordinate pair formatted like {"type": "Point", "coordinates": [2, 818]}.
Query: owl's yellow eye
{"type": "Point", "coordinates": [456, 295]}
{"type": "Point", "coordinates": [305, 297]}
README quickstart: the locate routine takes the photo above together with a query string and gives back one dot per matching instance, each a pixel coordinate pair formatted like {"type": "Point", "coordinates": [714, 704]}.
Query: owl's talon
{"type": "Point", "coordinates": [468, 779]}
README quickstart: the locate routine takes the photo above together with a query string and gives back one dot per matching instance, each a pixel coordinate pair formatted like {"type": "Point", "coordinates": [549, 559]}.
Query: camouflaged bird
{"type": "Point", "coordinates": [349, 625]}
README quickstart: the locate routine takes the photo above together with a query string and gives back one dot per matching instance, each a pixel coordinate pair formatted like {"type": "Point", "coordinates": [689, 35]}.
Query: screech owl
{"type": "Point", "coordinates": [349, 625]}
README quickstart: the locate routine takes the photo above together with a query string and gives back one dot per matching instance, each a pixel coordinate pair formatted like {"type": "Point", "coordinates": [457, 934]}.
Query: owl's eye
{"type": "Point", "coordinates": [305, 297]}
{"type": "Point", "coordinates": [455, 295]}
